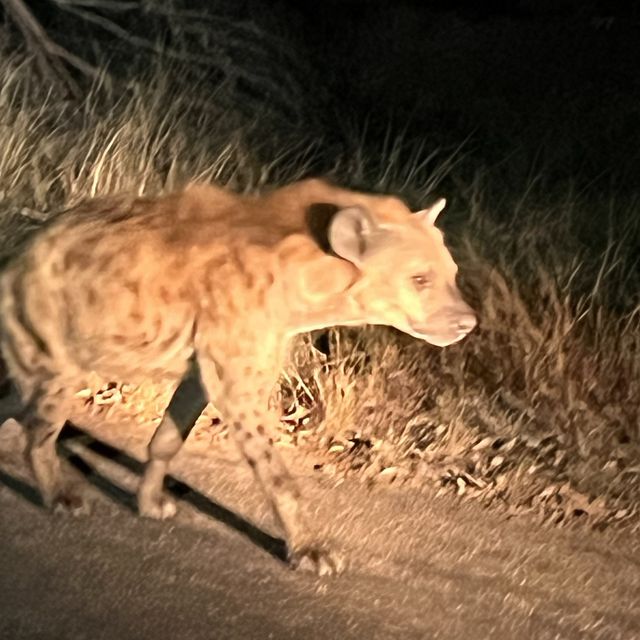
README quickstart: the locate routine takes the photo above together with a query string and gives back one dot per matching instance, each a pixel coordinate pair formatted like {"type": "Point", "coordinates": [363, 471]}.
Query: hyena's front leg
{"type": "Point", "coordinates": [243, 398]}
{"type": "Point", "coordinates": [186, 406]}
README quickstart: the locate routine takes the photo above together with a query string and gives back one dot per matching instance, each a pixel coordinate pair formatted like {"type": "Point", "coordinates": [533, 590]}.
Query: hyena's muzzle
{"type": "Point", "coordinates": [449, 322]}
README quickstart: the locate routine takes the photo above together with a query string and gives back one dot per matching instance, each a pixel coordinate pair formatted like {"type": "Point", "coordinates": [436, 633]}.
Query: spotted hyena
{"type": "Point", "coordinates": [204, 288]}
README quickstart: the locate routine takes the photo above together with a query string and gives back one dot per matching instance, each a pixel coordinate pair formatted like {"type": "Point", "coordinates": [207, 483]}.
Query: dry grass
{"type": "Point", "coordinates": [146, 135]}
{"type": "Point", "coordinates": [538, 409]}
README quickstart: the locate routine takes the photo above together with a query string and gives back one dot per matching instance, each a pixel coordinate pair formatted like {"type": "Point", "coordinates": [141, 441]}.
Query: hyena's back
{"type": "Point", "coordinates": [113, 287]}
{"type": "Point", "coordinates": [79, 299]}
{"type": "Point", "coordinates": [116, 285]}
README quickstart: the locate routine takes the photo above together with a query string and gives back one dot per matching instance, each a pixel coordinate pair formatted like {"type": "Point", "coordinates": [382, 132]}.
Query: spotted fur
{"type": "Point", "coordinates": [204, 288]}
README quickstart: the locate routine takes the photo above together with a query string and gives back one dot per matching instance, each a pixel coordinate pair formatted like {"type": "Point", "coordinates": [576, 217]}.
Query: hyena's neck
{"type": "Point", "coordinates": [342, 310]}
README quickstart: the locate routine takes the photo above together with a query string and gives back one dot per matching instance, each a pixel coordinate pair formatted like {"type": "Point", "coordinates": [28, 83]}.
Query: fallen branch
{"type": "Point", "coordinates": [50, 57]}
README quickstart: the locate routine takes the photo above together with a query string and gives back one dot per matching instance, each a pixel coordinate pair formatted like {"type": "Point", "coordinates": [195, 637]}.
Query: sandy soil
{"type": "Point", "coordinates": [419, 566]}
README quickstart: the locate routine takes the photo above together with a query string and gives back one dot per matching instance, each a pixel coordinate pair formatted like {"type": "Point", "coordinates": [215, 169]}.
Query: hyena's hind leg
{"type": "Point", "coordinates": [43, 419]}
{"type": "Point", "coordinates": [186, 406]}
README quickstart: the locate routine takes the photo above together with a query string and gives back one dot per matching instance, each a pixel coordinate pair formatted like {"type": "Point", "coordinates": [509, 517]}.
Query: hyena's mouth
{"type": "Point", "coordinates": [445, 328]}
{"type": "Point", "coordinates": [434, 337]}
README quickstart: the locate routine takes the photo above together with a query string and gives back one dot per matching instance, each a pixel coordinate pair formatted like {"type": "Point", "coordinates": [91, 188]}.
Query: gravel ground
{"type": "Point", "coordinates": [418, 566]}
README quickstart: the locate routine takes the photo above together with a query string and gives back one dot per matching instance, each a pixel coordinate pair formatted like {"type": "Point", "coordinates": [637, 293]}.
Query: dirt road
{"type": "Point", "coordinates": [420, 567]}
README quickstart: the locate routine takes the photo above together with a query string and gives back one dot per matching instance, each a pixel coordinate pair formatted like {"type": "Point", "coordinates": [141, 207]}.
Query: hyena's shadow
{"type": "Point", "coordinates": [21, 488]}
{"type": "Point", "coordinates": [72, 435]}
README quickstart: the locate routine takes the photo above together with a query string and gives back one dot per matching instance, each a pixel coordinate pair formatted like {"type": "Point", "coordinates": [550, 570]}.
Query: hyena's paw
{"type": "Point", "coordinates": [158, 507]}
{"type": "Point", "coordinates": [316, 559]}
{"type": "Point", "coordinates": [69, 500]}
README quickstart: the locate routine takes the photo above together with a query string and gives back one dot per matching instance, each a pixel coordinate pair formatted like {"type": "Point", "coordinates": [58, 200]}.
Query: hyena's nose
{"type": "Point", "coordinates": [465, 323]}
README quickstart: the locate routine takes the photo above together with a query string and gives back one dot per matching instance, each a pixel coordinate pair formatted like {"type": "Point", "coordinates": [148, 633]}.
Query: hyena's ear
{"type": "Point", "coordinates": [350, 233]}
{"type": "Point", "coordinates": [429, 216]}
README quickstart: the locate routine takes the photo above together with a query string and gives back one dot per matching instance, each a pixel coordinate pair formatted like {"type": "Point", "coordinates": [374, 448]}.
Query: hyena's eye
{"type": "Point", "coordinates": [422, 281]}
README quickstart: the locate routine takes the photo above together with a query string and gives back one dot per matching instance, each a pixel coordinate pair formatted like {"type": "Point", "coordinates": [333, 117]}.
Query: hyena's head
{"type": "Point", "coordinates": [407, 275]}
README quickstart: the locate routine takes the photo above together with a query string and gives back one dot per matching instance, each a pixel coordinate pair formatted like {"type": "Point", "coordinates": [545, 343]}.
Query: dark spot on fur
{"type": "Point", "coordinates": [119, 217]}
{"type": "Point", "coordinates": [260, 296]}
{"type": "Point", "coordinates": [165, 344]}
{"type": "Point", "coordinates": [56, 269]}
{"type": "Point", "coordinates": [267, 455]}
{"type": "Point", "coordinates": [248, 435]}
{"type": "Point", "coordinates": [104, 263]}
{"type": "Point", "coordinates": [260, 430]}
{"type": "Point", "coordinates": [251, 462]}
{"type": "Point", "coordinates": [165, 295]}
{"type": "Point", "coordinates": [92, 297]}
{"type": "Point", "coordinates": [237, 426]}
{"type": "Point", "coordinates": [77, 259]}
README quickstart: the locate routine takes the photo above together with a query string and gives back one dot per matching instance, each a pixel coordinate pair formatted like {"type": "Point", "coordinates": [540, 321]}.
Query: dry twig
{"type": "Point", "coordinates": [50, 57]}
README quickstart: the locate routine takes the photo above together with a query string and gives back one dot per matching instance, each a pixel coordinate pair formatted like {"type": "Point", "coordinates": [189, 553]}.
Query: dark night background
{"type": "Point", "coordinates": [533, 100]}
{"type": "Point", "coordinates": [521, 88]}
